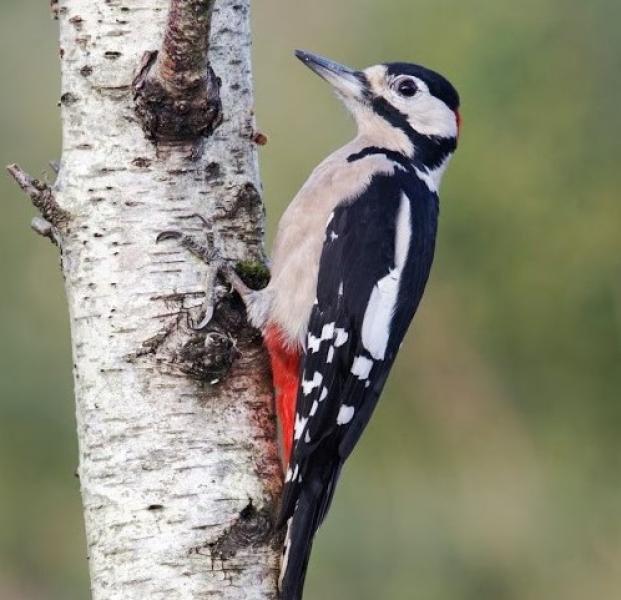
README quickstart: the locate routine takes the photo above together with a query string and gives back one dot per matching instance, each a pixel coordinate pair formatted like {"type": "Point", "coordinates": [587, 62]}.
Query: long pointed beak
{"type": "Point", "coordinates": [346, 81]}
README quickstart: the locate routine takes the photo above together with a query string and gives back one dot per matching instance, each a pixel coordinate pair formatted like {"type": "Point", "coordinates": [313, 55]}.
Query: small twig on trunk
{"type": "Point", "coordinates": [53, 217]}
{"type": "Point", "coordinates": [177, 93]}
{"type": "Point", "coordinates": [55, 8]}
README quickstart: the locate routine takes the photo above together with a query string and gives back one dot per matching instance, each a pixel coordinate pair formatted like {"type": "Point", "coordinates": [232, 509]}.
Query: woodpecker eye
{"type": "Point", "coordinates": [407, 88]}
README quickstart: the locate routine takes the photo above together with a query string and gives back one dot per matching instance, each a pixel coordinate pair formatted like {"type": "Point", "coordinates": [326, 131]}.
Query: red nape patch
{"type": "Point", "coordinates": [458, 117]}
{"type": "Point", "coordinates": [285, 372]}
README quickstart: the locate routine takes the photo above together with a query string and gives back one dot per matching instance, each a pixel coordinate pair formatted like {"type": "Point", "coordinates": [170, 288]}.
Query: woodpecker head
{"type": "Point", "coordinates": [402, 106]}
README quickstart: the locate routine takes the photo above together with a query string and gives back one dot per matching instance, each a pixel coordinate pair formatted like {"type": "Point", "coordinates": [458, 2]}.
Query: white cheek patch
{"type": "Point", "coordinates": [428, 115]}
{"type": "Point", "coordinates": [425, 113]}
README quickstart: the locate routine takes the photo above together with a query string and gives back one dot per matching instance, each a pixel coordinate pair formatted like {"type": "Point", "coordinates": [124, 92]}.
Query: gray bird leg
{"type": "Point", "coordinates": [208, 254]}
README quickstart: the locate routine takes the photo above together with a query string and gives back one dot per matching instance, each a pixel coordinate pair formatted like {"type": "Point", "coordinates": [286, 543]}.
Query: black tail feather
{"type": "Point", "coordinates": [312, 505]}
{"type": "Point", "coordinates": [296, 553]}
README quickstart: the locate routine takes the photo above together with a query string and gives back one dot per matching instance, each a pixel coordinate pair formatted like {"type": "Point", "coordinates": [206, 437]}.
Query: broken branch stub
{"type": "Point", "coordinates": [176, 92]}
{"type": "Point", "coordinates": [53, 218]}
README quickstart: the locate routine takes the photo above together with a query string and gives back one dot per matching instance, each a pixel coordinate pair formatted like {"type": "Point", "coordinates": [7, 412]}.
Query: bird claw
{"type": "Point", "coordinates": [204, 322]}
{"type": "Point", "coordinates": [168, 235]}
{"type": "Point", "coordinates": [205, 252]}
{"type": "Point", "coordinates": [208, 254]}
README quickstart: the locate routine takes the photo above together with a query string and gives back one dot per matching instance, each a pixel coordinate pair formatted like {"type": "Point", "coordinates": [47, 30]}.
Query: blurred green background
{"type": "Point", "coordinates": [492, 470]}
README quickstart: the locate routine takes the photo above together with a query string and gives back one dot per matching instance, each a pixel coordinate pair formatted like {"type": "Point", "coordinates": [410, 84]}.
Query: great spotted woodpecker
{"type": "Point", "coordinates": [349, 266]}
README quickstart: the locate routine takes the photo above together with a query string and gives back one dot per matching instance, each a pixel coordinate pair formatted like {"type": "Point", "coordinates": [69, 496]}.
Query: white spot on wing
{"type": "Point", "coordinates": [300, 424]}
{"type": "Point", "coordinates": [314, 407]}
{"type": "Point", "coordinates": [330, 357]}
{"type": "Point", "coordinates": [313, 343]}
{"type": "Point", "coordinates": [309, 385]}
{"type": "Point", "coordinates": [383, 301]}
{"type": "Point", "coordinates": [346, 414]}
{"type": "Point", "coordinates": [285, 555]}
{"type": "Point", "coordinates": [324, 394]}
{"type": "Point", "coordinates": [341, 337]}
{"type": "Point", "coordinates": [327, 333]}
{"type": "Point", "coordinates": [362, 367]}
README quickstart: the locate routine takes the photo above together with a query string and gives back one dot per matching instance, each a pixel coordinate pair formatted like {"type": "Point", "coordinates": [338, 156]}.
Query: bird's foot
{"type": "Point", "coordinates": [208, 254]}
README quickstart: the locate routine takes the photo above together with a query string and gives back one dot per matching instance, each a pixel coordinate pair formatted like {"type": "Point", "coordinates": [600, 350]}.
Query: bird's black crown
{"type": "Point", "coordinates": [438, 85]}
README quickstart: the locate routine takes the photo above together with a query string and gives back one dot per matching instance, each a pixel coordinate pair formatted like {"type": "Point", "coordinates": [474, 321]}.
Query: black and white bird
{"type": "Point", "coordinates": [349, 266]}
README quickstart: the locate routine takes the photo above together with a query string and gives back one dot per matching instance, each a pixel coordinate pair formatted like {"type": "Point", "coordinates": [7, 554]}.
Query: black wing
{"type": "Point", "coordinates": [377, 248]}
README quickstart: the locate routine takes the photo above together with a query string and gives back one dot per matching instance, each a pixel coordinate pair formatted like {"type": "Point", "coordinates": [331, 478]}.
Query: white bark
{"type": "Point", "coordinates": [167, 463]}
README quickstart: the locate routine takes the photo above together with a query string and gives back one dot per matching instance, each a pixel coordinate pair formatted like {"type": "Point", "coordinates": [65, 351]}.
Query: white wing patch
{"type": "Point", "coordinates": [383, 301]}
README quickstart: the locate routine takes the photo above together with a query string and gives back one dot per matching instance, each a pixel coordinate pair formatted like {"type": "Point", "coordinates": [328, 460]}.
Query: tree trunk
{"type": "Point", "coordinates": [178, 461]}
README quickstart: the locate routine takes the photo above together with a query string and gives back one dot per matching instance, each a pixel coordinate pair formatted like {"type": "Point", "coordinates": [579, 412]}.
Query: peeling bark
{"type": "Point", "coordinates": [176, 430]}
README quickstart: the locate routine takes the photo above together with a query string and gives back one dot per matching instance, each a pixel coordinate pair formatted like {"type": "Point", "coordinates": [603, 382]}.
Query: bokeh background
{"type": "Point", "coordinates": [492, 470]}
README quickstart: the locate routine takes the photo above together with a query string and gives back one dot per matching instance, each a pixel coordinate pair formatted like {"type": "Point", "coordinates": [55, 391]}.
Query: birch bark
{"type": "Point", "coordinates": [178, 463]}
